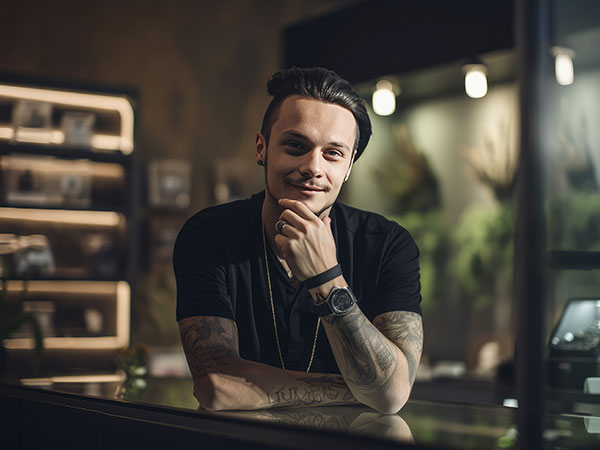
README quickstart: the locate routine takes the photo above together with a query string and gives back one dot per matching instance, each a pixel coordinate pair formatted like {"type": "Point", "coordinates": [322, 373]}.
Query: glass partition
{"type": "Point", "coordinates": [570, 164]}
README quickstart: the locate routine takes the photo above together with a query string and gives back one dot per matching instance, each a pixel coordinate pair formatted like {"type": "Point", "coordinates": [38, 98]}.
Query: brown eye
{"type": "Point", "coordinates": [335, 153]}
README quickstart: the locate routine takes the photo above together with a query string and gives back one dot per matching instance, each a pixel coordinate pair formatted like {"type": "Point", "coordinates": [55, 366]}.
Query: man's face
{"type": "Point", "coordinates": [310, 152]}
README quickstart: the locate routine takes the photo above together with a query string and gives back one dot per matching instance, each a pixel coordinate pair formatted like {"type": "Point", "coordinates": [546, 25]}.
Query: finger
{"type": "Point", "coordinates": [294, 220]}
{"type": "Point", "coordinates": [285, 228]}
{"type": "Point", "coordinates": [299, 208]}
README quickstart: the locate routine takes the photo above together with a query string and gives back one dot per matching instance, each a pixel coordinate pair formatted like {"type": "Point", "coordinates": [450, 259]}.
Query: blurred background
{"type": "Point", "coordinates": [119, 120]}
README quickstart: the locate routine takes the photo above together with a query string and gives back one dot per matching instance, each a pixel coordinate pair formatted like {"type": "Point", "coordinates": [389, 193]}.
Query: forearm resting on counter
{"type": "Point", "coordinates": [242, 384]}
{"type": "Point", "coordinates": [377, 360]}
{"type": "Point", "coordinates": [224, 381]}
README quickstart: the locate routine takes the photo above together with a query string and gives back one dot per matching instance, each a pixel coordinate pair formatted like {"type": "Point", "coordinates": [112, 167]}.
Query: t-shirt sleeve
{"type": "Point", "coordinates": [199, 262]}
{"type": "Point", "coordinates": [399, 286]}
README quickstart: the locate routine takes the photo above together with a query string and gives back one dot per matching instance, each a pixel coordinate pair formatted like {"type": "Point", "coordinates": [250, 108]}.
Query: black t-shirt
{"type": "Point", "coordinates": [220, 271]}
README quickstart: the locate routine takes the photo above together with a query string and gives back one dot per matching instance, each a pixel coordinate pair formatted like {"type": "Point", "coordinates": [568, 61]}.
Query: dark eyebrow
{"type": "Point", "coordinates": [297, 135]}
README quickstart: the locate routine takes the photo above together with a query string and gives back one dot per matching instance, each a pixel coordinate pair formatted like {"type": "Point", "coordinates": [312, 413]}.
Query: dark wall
{"type": "Point", "coordinates": [382, 37]}
{"type": "Point", "coordinates": [199, 67]}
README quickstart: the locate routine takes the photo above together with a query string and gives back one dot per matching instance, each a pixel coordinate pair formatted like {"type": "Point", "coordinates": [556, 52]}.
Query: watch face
{"type": "Point", "coordinates": [341, 301]}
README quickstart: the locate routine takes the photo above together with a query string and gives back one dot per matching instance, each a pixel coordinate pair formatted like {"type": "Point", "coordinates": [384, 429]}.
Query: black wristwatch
{"type": "Point", "coordinates": [339, 302]}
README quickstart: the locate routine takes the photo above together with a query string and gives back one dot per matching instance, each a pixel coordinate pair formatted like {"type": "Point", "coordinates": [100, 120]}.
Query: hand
{"type": "Point", "coordinates": [306, 242]}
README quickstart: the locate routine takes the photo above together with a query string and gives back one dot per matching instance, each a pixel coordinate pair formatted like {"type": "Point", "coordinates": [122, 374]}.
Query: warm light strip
{"type": "Point", "coordinates": [104, 378]}
{"type": "Point", "coordinates": [123, 311]}
{"type": "Point", "coordinates": [106, 141]}
{"type": "Point", "coordinates": [72, 287]}
{"type": "Point", "coordinates": [96, 218]}
{"type": "Point", "coordinates": [67, 343]}
{"type": "Point", "coordinates": [54, 165]}
{"type": "Point", "coordinates": [105, 102]}
{"type": "Point", "coordinates": [6, 133]}
{"type": "Point", "coordinates": [34, 136]}
{"type": "Point", "coordinates": [57, 137]}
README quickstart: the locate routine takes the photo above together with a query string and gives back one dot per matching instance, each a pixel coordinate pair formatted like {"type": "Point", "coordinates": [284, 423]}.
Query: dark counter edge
{"type": "Point", "coordinates": [31, 416]}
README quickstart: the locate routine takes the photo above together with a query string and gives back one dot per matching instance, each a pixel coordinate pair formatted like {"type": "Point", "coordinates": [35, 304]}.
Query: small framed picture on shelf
{"type": "Point", "coordinates": [78, 128]}
{"type": "Point", "coordinates": [169, 183]}
{"type": "Point", "coordinates": [32, 122]}
{"type": "Point", "coordinates": [46, 181]}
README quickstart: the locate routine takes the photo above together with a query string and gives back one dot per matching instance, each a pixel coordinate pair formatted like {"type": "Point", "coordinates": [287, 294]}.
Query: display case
{"type": "Point", "coordinates": [558, 228]}
{"type": "Point", "coordinates": [68, 221]}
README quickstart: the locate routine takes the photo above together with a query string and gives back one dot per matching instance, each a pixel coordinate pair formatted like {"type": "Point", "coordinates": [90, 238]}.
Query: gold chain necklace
{"type": "Point", "coordinates": [312, 354]}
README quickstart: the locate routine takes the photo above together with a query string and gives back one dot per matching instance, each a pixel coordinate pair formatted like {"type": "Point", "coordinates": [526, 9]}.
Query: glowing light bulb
{"type": "Point", "coordinates": [475, 80]}
{"type": "Point", "coordinates": [384, 99]}
{"type": "Point", "coordinates": [563, 65]}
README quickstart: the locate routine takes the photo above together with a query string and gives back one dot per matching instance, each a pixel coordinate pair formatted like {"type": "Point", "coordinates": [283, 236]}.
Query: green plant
{"type": "Point", "coordinates": [407, 178]}
{"type": "Point", "coordinates": [429, 232]}
{"type": "Point", "coordinates": [574, 222]}
{"type": "Point", "coordinates": [484, 240]}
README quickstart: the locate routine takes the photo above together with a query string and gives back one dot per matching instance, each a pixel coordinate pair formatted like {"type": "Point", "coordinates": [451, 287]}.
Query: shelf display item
{"type": "Point", "coordinates": [32, 122]}
{"type": "Point", "coordinates": [78, 128]}
{"type": "Point", "coordinates": [575, 344]}
{"type": "Point", "coordinates": [169, 183]}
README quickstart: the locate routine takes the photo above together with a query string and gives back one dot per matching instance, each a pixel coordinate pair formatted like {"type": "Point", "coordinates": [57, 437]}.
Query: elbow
{"type": "Point", "coordinates": [389, 401]}
{"type": "Point", "coordinates": [392, 404]}
{"type": "Point", "coordinates": [208, 392]}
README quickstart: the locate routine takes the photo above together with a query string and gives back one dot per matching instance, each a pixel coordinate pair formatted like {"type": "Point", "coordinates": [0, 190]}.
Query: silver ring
{"type": "Point", "coordinates": [279, 225]}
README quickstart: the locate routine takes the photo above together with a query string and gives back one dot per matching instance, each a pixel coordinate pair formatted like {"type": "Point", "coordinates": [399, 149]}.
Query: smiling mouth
{"type": "Point", "coordinates": [307, 188]}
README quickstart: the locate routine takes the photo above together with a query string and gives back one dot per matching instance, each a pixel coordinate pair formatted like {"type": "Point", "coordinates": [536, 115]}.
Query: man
{"type": "Point", "coordinates": [291, 299]}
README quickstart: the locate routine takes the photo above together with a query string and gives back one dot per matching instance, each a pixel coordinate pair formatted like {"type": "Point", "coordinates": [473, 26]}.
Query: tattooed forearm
{"type": "Point", "coordinates": [363, 354]}
{"type": "Point", "coordinates": [209, 343]}
{"type": "Point", "coordinates": [311, 391]}
{"type": "Point", "coordinates": [405, 329]}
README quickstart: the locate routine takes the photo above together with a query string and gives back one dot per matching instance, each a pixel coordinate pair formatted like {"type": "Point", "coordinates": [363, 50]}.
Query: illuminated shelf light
{"type": "Point", "coordinates": [50, 164]}
{"type": "Point", "coordinates": [100, 378]}
{"type": "Point", "coordinates": [124, 142]}
{"type": "Point", "coordinates": [75, 217]}
{"type": "Point", "coordinates": [63, 286]}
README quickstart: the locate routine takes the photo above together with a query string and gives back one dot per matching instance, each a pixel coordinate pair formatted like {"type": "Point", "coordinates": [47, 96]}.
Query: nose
{"type": "Point", "coordinates": [310, 164]}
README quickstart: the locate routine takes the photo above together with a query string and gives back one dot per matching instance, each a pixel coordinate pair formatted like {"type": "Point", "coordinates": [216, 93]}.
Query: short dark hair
{"type": "Point", "coordinates": [319, 84]}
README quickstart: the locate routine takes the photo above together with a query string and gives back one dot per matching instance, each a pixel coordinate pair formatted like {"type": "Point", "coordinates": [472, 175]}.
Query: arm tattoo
{"type": "Point", "coordinates": [329, 389]}
{"type": "Point", "coordinates": [366, 360]}
{"type": "Point", "coordinates": [209, 343]}
{"type": "Point", "coordinates": [319, 417]}
{"type": "Point", "coordinates": [405, 329]}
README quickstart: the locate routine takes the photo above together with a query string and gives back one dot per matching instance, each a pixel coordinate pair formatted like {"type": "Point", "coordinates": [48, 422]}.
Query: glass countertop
{"type": "Point", "coordinates": [426, 423]}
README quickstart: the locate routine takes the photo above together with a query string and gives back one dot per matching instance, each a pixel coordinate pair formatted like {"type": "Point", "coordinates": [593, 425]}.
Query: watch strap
{"type": "Point", "coordinates": [323, 277]}
{"type": "Point", "coordinates": [323, 309]}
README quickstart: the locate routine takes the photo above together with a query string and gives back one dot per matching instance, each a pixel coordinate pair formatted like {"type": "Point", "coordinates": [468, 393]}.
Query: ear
{"type": "Point", "coordinates": [260, 147]}
{"type": "Point", "coordinates": [350, 168]}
